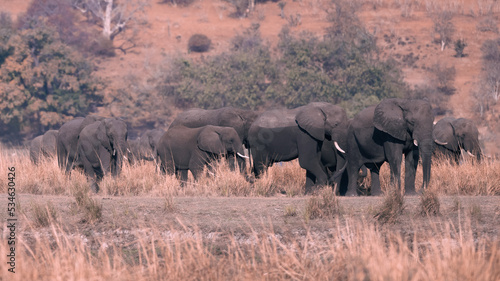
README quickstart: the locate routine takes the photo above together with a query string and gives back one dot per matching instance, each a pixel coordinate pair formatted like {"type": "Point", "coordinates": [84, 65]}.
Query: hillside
{"type": "Point", "coordinates": [404, 31]}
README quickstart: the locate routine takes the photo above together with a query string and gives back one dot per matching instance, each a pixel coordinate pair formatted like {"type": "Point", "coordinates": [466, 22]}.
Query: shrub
{"type": "Point", "coordinates": [103, 47]}
{"type": "Point", "coordinates": [199, 43]}
{"type": "Point", "coordinates": [460, 45]}
{"type": "Point", "coordinates": [391, 208]}
{"type": "Point", "coordinates": [429, 203]}
{"type": "Point", "coordinates": [326, 205]}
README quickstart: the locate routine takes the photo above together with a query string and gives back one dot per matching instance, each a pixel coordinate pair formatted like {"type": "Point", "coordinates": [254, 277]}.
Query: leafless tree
{"type": "Point", "coordinates": [113, 15]}
{"type": "Point", "coordinates": [491, 68]}
{"type": "Point", "coordinates": [443, 27]}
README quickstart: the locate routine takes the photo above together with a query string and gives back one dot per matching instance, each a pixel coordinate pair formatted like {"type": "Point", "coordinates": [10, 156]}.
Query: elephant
{"type": "Point", "coordinates": [286, 134]}
{"type": "Point", "coordinates": [43, 146]}
{"type": "Point", "coordinates": [101, 148]}
{"type": "Point", "coordinates": [67, 141]}
{"type": "Point", "coordinates": [181, 149]}
{"type": "Point", "coordinates": [145, 146]}
{"type": "Point", "coordinates": [451, 135]}
{"type": "Point", "coordinates": [383, 133]}
{"type": "Point", "coordinates": [238, 119]}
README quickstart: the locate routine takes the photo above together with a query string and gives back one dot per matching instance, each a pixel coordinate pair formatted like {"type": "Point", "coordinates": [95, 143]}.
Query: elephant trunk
{"type": "Point", "coordinates": [425, 148]}
{"type": "Point", "coordinates": [121, 152]}
{"type": "Point", "coordinates": [240, 158]}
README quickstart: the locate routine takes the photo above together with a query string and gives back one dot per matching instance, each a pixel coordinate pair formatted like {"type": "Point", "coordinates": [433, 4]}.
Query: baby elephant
{"type": "Point", "coordinates": [181, 149]}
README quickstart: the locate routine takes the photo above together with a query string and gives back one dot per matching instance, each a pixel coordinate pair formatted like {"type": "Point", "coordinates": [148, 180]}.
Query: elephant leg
{"type": "Point", "coordinates": [310, 160]}
{"type": "Point", "coordinates": [411, 164]}
{"type": "Point", "coordinates": [375, 185]}
{"type": "Point", "coordinates": [310, 181]}
{"type": "Point", "coordinates": [394, 154]}
{"type": "Point", "coordinates": [107, 161]}
{"type": "Point", "coordinates": [196, 165]}
{"type": "Point", "coordinates": [90, 173]}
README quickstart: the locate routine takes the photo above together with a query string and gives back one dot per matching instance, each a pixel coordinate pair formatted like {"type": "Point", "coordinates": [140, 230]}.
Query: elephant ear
{"type": "Point", "coordinates": [209, 141]}
{"type": "Point", "coordinates": [389, 118]}
{"type": "Point", "coordinates": [312, 120]}
{"type": "Point", "coordinates": [445, 135]}
{"type": "Point", "coordinates": [102, 136]}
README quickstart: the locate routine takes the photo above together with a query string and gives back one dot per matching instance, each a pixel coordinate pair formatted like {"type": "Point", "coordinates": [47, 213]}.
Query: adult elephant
{"type": "Point", "coordinates": [181, 149]}
{"type": "Point", "coordinates": [451, 135]}
{"type": "Point", "coordinates": [287, 134]}
{"type": "Point", "coordinates": [238, 119]}
{"type": "Point", "coordinates": [101, 148]}
{"type": "Point", "coordinates": [385, 132]}
{"type": "Point", "coordinates": [43, 146]}
{"type": "Point", "coordinates": [67, 141]}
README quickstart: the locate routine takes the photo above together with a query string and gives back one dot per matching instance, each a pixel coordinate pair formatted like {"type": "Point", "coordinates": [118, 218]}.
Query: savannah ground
{"type": "Point", "coordinates": [144, 226]}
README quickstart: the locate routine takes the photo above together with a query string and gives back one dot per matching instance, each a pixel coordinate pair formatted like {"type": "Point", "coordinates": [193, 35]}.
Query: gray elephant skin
{"type": "Point", "coordinates": [238, 119]}
{"type": "Point", "coordinates": [67, 141]}
{"type": "Point", "coordinates": [385, 132]}
{"type": "Point", "coordinates": [181, 149]}
{"type": "Point", "coordinates": [451, 135]}
{"type": "Point", "coordinates": [101, 148]}
{"type": "Point", "coordinates": [144, 147]}
{"type": "Point", "coordinates": [287, 134]}
{"type": "Point", "coordinates": [43, 146]}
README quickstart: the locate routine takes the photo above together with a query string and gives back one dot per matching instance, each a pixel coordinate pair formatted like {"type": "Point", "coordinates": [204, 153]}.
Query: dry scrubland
{"type": "Point", "coordinates": [144, 226]}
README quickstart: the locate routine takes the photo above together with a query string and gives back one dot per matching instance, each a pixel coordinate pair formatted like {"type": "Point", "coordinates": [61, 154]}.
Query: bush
{"type": "Point", "coordinates": [199, 43]}
{"type": "Point", "coordinates": [103, 47]}
{"type": "Point", "coordinates": [460, 45]}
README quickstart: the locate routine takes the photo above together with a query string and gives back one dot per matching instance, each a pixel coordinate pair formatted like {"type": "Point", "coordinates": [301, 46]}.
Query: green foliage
{"type": "Point", "coordinates": [342, 68]}
{"type": "Point", "coordinates": [43, 81]}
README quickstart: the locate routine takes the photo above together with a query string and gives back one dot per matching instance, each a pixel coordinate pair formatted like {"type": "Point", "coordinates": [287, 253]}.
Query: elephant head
{"type": "Point", "coordinates": [112, 133]}
{"type": "Point", "coordinates": [456, 134]}
{"type": "Point", "coordinates": [221, 141]}
{"type": "Point", "coordinates": [239, 119]}
{"type": "Point", "coordinates": [408, 120]}
{"type": "Point", "coordinates": [322, 121]}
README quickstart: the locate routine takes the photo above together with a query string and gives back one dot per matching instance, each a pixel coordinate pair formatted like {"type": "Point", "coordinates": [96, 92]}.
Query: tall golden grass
{"type": "Point", "coordinates": [286, 178]}
{"type": "Point", "coordinates": [355, 250]}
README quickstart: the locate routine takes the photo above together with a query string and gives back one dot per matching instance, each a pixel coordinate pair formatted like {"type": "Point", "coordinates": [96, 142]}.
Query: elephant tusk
{"type": "Point", "coordinates": [114, 152]}
{"type": "Point", "coordinates": [415, 142]}
{"type": "Point", "coordinates": [125, 157]}
{"type": "Point", "coordinates": [210, 173]}
{"type": "Point", "coordinates": [338, 147]}
{"type": "Point", "coordinates": [440, 143]}
{"type": "Point", "coordinates": [470, 154]}
{"type": "Point", "coordinates": [241, 155]}
{"type": "Point", "coordinates": [128, 150]}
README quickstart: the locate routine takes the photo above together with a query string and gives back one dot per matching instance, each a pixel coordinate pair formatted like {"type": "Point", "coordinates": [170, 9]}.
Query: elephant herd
{"type": "Point", "coordinates": [330, 147]}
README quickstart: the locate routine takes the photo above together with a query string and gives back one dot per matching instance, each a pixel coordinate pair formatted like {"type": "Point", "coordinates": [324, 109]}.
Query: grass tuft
{"type": "Point", "coordinates": [44, 215]}
{"type": "Point", "coordinates": [391, 208]}
{"type": "Point", "coordinates": [324, 205]}
{"type": "Point", "coordinates": [429, 203]}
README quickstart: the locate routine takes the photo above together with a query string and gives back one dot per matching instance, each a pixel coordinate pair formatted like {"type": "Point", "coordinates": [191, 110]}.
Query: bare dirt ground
{"type": "Point", "coordinates": [126, 218]}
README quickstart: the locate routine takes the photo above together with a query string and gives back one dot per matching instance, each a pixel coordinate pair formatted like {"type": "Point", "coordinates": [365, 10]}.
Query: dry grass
{"type": "Point", "coordinates": [354, 251]}
{"type": "Point", "coordinates": [324, 205]}
{"type": "Point", "coordinates": [429, 203]}
{"type": "Point", "coordinates": [285, 178]}
{"type": "Point", "coordinates": [391, 208]}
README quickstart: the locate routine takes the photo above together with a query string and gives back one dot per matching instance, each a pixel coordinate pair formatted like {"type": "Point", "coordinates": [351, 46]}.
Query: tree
{"type": "Point", "coordinates": [43, 81]}
{"type": "Point", "coordinates": [114, 16]}
{"type": "Point", "coordinates": [443, 27]}
{"type": "Point", "coordinates": [491, 67]}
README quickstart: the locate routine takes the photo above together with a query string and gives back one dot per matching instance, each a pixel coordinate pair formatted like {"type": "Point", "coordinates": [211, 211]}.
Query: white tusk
{"type": "Point", "coordinates": [338, 147]}
{"type": "Point", "coordinates": [212, 174]}
{"type": "Point", "coordinates": [128, 150]}
{"type": "Point", "coordinates": [242, 156]}
{"type": "Point", "coordinates": [114, 152]}
{"type": "Point", "coordinates": [440, 143]}
{"type": "Point", "coordinates": [470, 154]}
{"type": "Point", "coordinates": [415, 142]}
{"type": "Point", "coordinates": [125, 157]}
